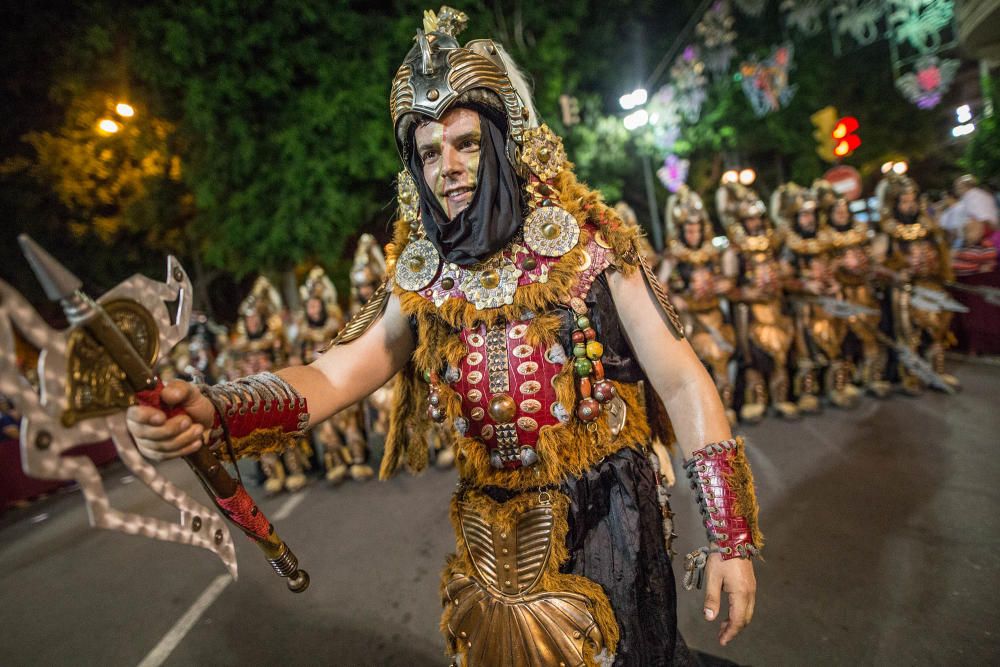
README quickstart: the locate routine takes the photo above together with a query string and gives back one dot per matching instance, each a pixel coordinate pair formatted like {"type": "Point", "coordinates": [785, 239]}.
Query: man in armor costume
{"type": "Point", "coordinates": [854, 268]}
{"type": "Point", "coordinates": [808, 276]}
{"type": "Point", "coordinates": [763, 330]}
{"type": "Point", "coordinates": [697, 283]}
{"type": "Point", "coordinates": [260, 346]}
{"type": "Point", "coordinates": [340, 438]}
{"type": "Point", "coordinates": [918, 252]}
{"type": "Point", "coordinates": [518, 310]}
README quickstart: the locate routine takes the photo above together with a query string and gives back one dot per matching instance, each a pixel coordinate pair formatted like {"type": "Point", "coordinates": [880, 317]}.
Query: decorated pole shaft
{"type": "Point", "coordinates": [228, 494]}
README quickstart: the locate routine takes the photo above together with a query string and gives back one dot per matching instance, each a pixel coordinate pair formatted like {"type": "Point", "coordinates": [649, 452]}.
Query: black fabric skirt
{"type": "Point", "coordinates": [616, 539]}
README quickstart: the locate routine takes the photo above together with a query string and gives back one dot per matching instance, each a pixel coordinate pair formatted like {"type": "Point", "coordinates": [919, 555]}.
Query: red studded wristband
{"type": "Point", "coordinates": [721, 477]}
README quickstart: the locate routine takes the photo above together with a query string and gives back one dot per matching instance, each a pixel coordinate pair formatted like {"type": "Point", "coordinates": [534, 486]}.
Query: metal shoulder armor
{"type": "Point", "coordinates": [662, 298]}
{"type": "Point", "coordinates": [370, 313]}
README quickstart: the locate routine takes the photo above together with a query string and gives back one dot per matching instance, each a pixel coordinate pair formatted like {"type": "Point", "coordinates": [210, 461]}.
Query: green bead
{"type": "Point", "coordinates": [583, 322]}
{"type": "Point", "coordinates": [427, 376]}
{"type": "Point", "coordinates": [583, 367]}
{"type": "Point", "coordinates": [579, 350]}
{"type": "Point", "coordinates": [594, 350]}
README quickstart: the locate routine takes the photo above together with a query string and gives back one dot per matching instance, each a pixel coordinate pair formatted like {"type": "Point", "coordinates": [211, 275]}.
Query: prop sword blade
{"type": "Point", "coordinates": [227, 493]}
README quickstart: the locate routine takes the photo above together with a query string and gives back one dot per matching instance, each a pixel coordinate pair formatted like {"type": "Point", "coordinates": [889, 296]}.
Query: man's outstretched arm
{"type": "Point", "coordinates": [341, 377]}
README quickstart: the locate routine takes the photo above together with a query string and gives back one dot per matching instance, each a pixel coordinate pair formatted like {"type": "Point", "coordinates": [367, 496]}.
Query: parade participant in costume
{"type": "Point", "coordinates": [854, 269]}
{"type": "Point", "coordinates": [204, 345]}
{"type": "Point", "coordinates": [318, 322]}
{"type": "Point", "coordinates": [519, 311]}
{"type": "Point", "coordinates": [808, 277]}
{"type": "Point", "coordinates": [697, 283]}
{"type": "Point", "coordinates": [922, 309]}
{"type": "Point", "coordinates": [260, 346]}
{"type": "Point", "coordinates": [763, 331]}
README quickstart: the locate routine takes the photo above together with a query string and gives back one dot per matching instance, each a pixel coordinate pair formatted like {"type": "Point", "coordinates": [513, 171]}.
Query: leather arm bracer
{"type": "Point", "coordinates": [260, 413]}
{"type": "Point", "coordinates": [720, 475]}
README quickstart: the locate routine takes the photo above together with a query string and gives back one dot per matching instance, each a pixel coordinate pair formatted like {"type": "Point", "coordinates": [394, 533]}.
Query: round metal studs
{"type": "Point", "coordinates": [418, 265]}
{"type": "Point", "coordinates": [551, 231]}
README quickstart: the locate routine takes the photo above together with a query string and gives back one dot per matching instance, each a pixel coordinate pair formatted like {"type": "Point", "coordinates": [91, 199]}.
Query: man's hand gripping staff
{"type": "Point", "coordinates": [184, 414]}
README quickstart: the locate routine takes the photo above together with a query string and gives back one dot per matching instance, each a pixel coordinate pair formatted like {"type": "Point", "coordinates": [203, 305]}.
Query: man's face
{"type": "Point", "coordinates": [753, 224]}
{"type": "Point", "coordinates": [314, 309]}
{"type": "Point", "coordinates": [840, 213]}
{"type": "Point", "coordinates": [807, 219]}
{"type": "Point", "coordinates": [692, 234]}
{"type": "Point", "coordinates": [907, 203]}
{"type": "Point", "coordinates": [253, 323]}
{"type": "Point", "coordinates": [449, 153]}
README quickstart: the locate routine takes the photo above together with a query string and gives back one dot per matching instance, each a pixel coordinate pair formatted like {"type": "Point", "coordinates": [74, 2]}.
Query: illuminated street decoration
{"type": "Point", "coordinates": [765, 82]}
{"type": "Point", "coordinates": [716, 33]}
{"type": "Point", "coordinates": [688, 78]}
{"type": "Point", "coordinates": [673, 173]}
{"type": "Point", "coordinates": [857, 19]}
{"type": "Point", "coordinates": [919, 23]}
{"type": "Point", "coordinates": [751, 7]}
{"type": "Point", "coordinates": [927, 83]}
{"type": "Point", "coordinates": [804, 16]}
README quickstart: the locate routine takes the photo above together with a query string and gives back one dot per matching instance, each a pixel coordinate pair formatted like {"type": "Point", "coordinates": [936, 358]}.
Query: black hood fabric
{"type": "Point", "coordinates": [494, 215]}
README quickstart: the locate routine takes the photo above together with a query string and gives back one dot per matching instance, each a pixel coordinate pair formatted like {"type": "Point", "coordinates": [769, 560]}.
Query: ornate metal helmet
{"type": "Point", "coordinates": [319, 286]}
{"type": "Point", "coordinates": [788, 201]}
{"type": "Point", "coordinates": [826, 196]}
{"type": "Point", "coordinates": [437, 72]}
{"type": "Point", "coordinates": [735, 203]}
{"type": "Point", "coordinates": [890, 189]}
{"type": "Point", "coordinates": [263, 299]}
{"type": "Point", "coordinates": [368, 268]}
{"type": "Point", "coordinates": [686, 207]}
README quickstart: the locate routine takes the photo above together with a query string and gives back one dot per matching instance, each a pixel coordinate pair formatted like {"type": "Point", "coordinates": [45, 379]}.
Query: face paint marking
{"type": "Point", "coordinates": [449, 151]}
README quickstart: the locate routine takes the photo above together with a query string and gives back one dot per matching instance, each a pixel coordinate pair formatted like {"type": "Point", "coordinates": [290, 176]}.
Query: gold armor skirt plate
{"type": "Point", "coordinates": [770, 330]}
{"type": "Point", "coordinates": [704, 344]}
{"type": "Point", "coordinates": [504, 602]}
{"type": "Point", "coordinates": [826, 331]}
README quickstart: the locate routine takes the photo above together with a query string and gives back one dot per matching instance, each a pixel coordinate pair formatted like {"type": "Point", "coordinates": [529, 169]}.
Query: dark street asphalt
{"type": "Point", "coordinates": [882, 526]}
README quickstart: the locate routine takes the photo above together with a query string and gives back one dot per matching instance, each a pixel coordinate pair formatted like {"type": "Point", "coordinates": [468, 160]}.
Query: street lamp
{"type": "Point", "coordinates": [108, 126]}
{"type": "Point", "coordinates": [636, 119]}
{"type": "Point", "coordinates": [634, 99]}
{"type": "Point", "coordinates": [731, 176]}
{"type": "Point", "coordinates": [748, 176]}
{"type": "Point", "coordinates": [633, 121]}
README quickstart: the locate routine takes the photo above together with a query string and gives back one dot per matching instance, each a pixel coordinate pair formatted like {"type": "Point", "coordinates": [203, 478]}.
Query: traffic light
{"type": "Point", "coordinates": [844, 136]}
{"type": "Point", "coordinates": [824, 120]}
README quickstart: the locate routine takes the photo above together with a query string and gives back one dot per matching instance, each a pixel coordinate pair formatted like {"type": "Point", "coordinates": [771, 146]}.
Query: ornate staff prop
{"type": "Point", "coordinates": [107, 364]}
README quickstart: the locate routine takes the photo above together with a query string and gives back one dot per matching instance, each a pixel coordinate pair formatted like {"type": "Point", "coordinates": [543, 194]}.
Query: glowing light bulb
{"type": "Point", "coordinates": [124, 110]}
{"type": "Point", "coordinates": [108, 126]}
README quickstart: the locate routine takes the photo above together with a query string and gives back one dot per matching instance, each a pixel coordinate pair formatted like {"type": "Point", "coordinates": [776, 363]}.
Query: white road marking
{"type": "Point", "coordinates": [286, 510]}
{"type": "Point", "coordinates": [170, 641]}
{"type": "Point", "coordinates": [162, 651]}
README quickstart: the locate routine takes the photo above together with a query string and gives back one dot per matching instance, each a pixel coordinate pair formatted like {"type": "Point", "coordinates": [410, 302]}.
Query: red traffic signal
{"type": "Point", "coordinates": [846, 142]}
